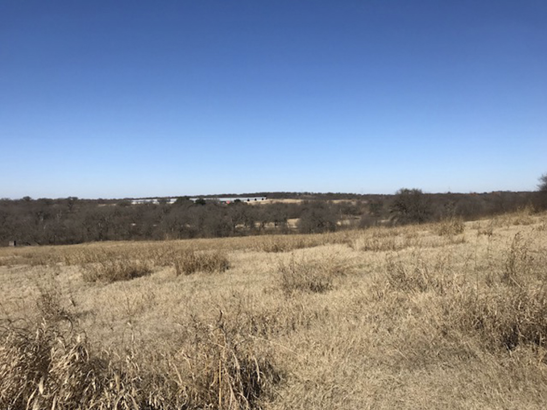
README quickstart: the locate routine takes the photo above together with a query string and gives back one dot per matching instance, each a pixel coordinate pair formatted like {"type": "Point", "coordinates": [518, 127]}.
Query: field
{"type": "Point", "coordinates": [450, 315]}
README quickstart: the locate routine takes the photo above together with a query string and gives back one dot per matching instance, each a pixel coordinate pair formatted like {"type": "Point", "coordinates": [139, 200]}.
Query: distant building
{"type": "Point", "coordinates": [144, 201]}
{"type": "Point", "coordinates": [233, 199]}
{"type": "Point", "coordinates": [171, 201]}
{"type": "Point", "coordinates": [155, 201]}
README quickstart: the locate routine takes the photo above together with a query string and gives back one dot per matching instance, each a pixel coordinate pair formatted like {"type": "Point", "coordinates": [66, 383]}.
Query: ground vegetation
{"type": "Point", "coordinates": [448, 314]}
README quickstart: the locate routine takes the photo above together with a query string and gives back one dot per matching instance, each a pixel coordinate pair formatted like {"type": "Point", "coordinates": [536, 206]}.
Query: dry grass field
{"type": "Point", "coordinates": [443, 316]}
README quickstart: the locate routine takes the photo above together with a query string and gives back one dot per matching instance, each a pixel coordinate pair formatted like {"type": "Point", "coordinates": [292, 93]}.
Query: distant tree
{"type": "Point", "coordinates": [71, 203]}
{"type": "Point", "coordinates": [411, 206]}
{"type": "Point", "coordinates": [375, 208]}
{"type": "Point", "coordinates": [541, 198]}
{"type": "Point", "coordinates": [317, 217]}
{"type": "Point", "coordinates": [543, 183]}
{"type": "Point", "coordinates": [200, 201]}
{"type": "Point", "coordinates": [183, 201]}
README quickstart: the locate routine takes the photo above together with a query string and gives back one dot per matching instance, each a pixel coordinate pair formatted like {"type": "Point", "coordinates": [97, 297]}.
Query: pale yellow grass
{"type": "Point", "coordinates": [418, 317]}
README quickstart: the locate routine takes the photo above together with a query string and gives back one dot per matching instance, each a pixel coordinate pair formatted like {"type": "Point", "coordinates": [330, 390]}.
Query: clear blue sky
{"type": "Point", "coordinates": [115, 99]}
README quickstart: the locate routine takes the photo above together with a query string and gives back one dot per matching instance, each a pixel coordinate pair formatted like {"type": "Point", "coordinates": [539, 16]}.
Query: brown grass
{"type": "Point", "coordinates": [451, 226]}
{"type": "Point", "coordinates": [113, 270]}
{"type": "Point", "coordinates": [387, 318]}
{"type": "Point", "coordinates": [190, 261]}
{"type": "Point", "coordinates": [307, 276]}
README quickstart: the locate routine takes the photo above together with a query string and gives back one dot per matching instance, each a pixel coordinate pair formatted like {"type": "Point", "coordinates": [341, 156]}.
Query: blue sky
{"type": "Point", "coordinates": [133, 98]}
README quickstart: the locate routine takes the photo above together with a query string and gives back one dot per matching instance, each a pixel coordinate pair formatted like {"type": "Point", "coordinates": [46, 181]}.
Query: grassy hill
{"type": "Point", "coordinates": [435, 316]}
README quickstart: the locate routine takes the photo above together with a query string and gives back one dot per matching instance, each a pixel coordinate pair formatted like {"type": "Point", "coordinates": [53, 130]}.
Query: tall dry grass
{"type": "Point", "coordinates": [45, 366]}
{"type": "Point", "coordinates": [449, 315]}
{"type": "Point", "coordinates": [190, 261]}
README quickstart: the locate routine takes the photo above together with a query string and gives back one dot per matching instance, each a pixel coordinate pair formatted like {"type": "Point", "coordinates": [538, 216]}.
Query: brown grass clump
{"type": "Point", "coordinates": [505, 317]}
{"type": "Point", "coordinates": [519, 263]}
{"type": "Point", "coordinates": [191, 261]}
{"type": "Point", "coordinates": [386, 239]}
{"type": "Point", "coordinates": [218, 368]}
{"type": "Point", "coordinates": [307, 276]}
{"type": "Point", "coordinates": [113, 270]}
{"type": "Point", "coordinates": [450, 227]}
{"type": "Point", "coordinates": [31, 256]}
{"type": "Point", "coordinates": [50, 305]}
{"type": "Point", "coordinates": [41, 368]}
{"type": "Point", "coordinates": [289, 243]}
{"type": "Point", "coordinates": [408, 277]}
{"type": "Point", "coordinates": [224, 368]}
{"type": "Point", "coordinates": [523, 216]}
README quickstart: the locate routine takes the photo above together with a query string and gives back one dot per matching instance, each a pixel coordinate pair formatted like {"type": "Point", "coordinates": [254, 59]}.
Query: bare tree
{"type": "Point", "coordinates": [543, 183]}
{"type": "Point", "coordinates": [411, 206]}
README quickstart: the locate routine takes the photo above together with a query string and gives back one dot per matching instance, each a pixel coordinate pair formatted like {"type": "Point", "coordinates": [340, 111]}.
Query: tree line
{"type": "Point", "coordinates": [73, 220]}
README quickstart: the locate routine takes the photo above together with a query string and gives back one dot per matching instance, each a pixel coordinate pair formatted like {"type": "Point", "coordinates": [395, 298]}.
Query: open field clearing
{"type": "Point", "coordinates": [448, 315]}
